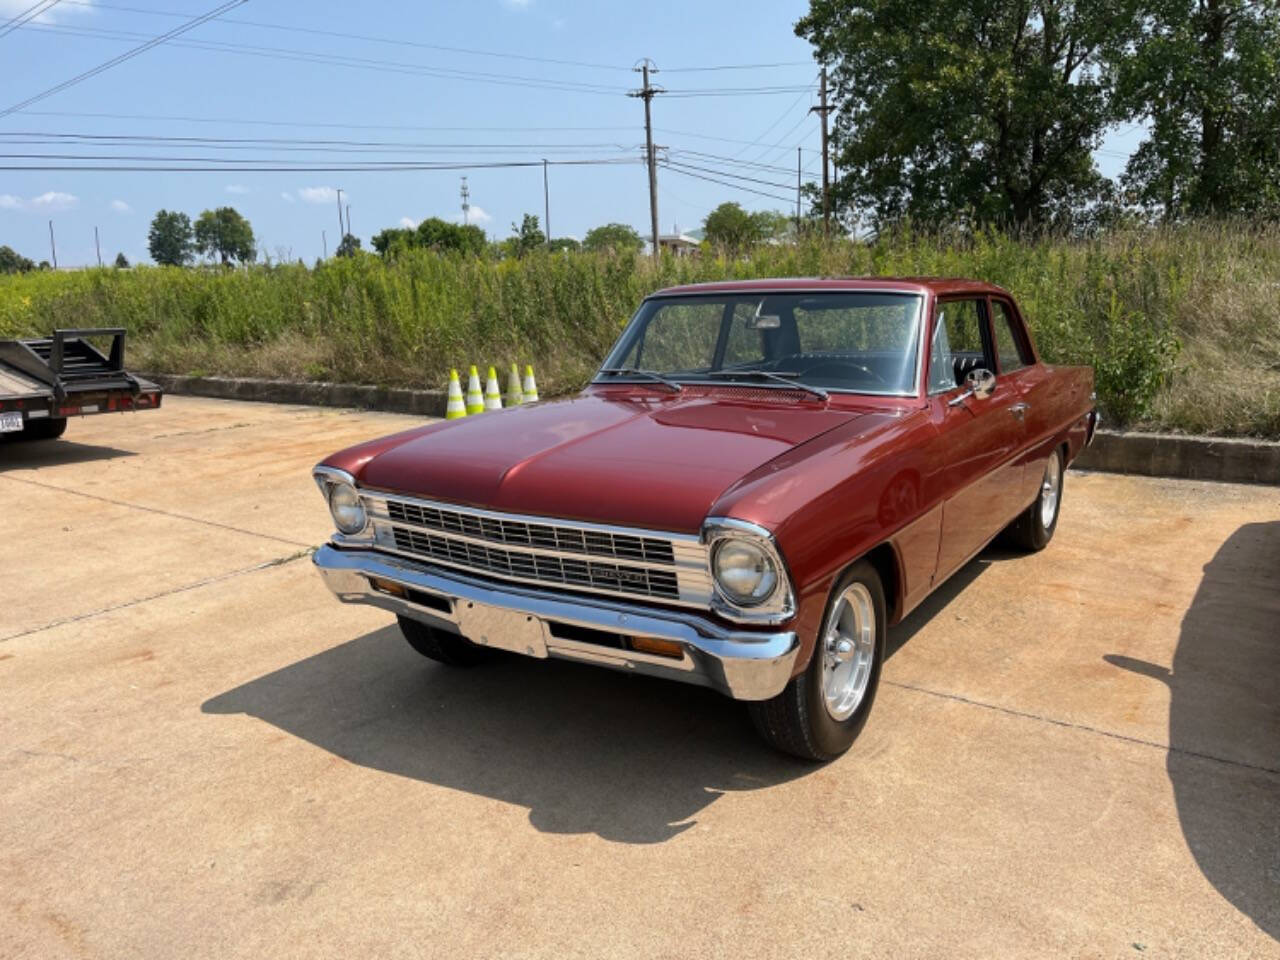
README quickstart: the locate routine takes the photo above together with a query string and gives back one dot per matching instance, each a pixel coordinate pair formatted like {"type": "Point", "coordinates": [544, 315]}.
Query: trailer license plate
{"type": "Point", "coordinates": [10, 422]}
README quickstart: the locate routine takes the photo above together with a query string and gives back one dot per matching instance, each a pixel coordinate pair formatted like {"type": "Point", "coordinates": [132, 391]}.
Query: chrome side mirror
{"type": "Point", "coordinates": [979, 384]}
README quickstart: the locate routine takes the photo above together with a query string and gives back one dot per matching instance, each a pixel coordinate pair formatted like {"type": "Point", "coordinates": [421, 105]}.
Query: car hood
{"type": "Point", "coordinates": [659, 463]}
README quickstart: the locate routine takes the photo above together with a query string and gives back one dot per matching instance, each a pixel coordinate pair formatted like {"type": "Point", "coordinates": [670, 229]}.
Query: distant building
{"type": "Point", "coordinates": [681, 244]}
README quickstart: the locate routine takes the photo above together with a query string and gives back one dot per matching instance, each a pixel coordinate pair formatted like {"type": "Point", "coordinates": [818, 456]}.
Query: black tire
{"type": "Point", "coordinates": [45, 429]}
{"type": "Point", "coordinates": [797, 720]}
{"type": "Point", "coordinates": [1029, 532]}
{"type": "Point", "coordinates": [440, 645]}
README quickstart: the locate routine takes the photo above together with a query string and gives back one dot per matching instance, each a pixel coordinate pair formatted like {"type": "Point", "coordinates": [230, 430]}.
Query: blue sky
{"type": "Point", "coordinates": [401, 82]}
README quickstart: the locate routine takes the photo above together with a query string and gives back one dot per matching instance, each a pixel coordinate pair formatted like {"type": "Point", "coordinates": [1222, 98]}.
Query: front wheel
{"type": "Point", "coordinates": [1034, 527]}
{"type": "Point", "coordinates": [440, 645]}
{"type": "Point", "coordinates": [820, 713]}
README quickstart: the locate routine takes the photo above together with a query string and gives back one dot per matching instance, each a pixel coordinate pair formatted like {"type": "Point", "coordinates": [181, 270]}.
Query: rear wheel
{"type": "Point", "coordinates": [440, 645]}
{"type": "Point", "coordinates": [1034, 527]}
{"type": "Point", "coordinates": [820, 713]}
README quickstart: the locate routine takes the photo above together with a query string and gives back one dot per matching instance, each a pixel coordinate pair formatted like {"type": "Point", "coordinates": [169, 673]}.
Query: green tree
{"type": "Point", "coordinates": [170, 240]}
{"type": "Point", "coordinates": [349, 246]}
{"type": "Point", "coordinates": [13, 262]}
{"type": "Point", "coordinates": [122, 262]}
{"type": "Point", "coordinates": [564, 244]}
{"type": "Point", "coordinates": [1204, 76]}
{"type": "Point", "coordinates": [729, 227]}
{"type": "Point", "coordinates": [615, 237]}
{"type": "Point", "coordinates": [970, 111]}
{"type": "Point", "coordinates": [392, 240]}
{"type": "Point", "coordinates": [442, 235]}
{"type": "Point", "coordinates": [528, 236]}
{"type": "Point", "coordinates": [224, 233]}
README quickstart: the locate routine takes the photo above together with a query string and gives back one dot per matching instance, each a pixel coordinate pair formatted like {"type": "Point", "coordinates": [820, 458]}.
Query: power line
{"type": "Point", "coordinates": [723, 173]}
{"type": "Point", "coordinates": [127, 55]}
{"type": "Point", "coordinates": [739, 66]}
{"type": "Point", "coordinates": [733, 186]}
{"type": "Point", "coordinates": [365, 63]}
{"type": "Point", "coordinates": [364, 37]}
{"type": "Point", "coordinates": [27, 15]}
{"type": "Point", "coordinates": [738, 91]}
{"type": "Point", "coordinates": [166, 165]}
{"type": "Point", "coordinates": [233, 163]}
{"type": "Point", "coordinates": [773, 126]}
{"type": "Point", "coordinates": [27, 138]}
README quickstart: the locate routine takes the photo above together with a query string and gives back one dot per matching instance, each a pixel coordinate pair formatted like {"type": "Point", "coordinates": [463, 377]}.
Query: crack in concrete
{"type": "Point", "coordinates": [1086, 728]}
{"type": "Point", "coordinates": [207, 581]}
{"type": "Point", "coordinates": [157, 510]}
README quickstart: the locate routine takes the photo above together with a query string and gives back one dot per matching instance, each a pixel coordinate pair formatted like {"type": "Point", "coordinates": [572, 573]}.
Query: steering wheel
{"type": "Point", "coordinates": [826, 365]}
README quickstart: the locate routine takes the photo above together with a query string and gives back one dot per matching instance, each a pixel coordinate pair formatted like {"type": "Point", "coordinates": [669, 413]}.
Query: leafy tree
{"type": "Point", "coordinates": [442, 235]}
{"type": "Point", "coordinates": [13, 262]}
{"type": "Point", "coordinates": [122, 262]}
{"type": "Point", "coordinates": [170, 240]}
{"type": "Point", "coordinates": [393, 239]}
{"type": "Point", "coordinates": [562, 244]}
{"type": "Point", "coordinates": [528, 236]}
{"type": "Point", "coordinates": [732, 228]}
{"type": "Point", "coordinates": [970, 111]}
{"type": "Point", "coordinates": [349, 246]}
{"type": "Point", "coordinates": [226, 234]}
{"type": "Point", "coordinates": [616, 237]}
{"type": "Point", "coordinates": [1204, 76]}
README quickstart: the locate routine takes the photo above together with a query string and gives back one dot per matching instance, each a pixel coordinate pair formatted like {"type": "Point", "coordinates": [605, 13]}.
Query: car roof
{"type": "Point", "coordinates": [939, 286]}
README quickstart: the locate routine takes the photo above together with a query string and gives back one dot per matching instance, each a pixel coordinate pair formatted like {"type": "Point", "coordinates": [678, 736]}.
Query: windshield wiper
{"type": "Point", "coordinates": [634, 372]}
{"type": "Point", "coordinates": [785, 377]}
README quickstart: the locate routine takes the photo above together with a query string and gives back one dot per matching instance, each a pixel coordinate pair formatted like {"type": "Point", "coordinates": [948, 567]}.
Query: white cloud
{"type": "Point", "coordinates": [10, 9]}
{"type": "Point", "coordinates": [518, 4]}
{"type": "Point", "coordinates": [318, 194]}
{"type": "Point", "coordinates": [408, 223]}
{"type": "Point", "coordinates": [9, 202]}
{"type": "Point", "coordinates": [476, 215]}
{"type": "Point", "coordinates": [287, 197]}
{"type": "Point", "coordinates": [119, 206]}
{"type": "Point", "coordinates": [237, 188]}
{"type": "Point", "coordinates": [55, 200]}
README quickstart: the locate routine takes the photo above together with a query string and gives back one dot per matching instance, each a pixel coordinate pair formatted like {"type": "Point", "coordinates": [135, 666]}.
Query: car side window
{"type": "Point", "coordinates": [1013, 355]}
{"type": "Point", "coordinates": [957, 346]}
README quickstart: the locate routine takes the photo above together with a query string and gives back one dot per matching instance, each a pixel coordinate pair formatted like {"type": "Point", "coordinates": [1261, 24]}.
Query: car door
{"type": "Point", "coordinates": [1017, 367]}
{"type": "Point", "coordinates": [978, 438]}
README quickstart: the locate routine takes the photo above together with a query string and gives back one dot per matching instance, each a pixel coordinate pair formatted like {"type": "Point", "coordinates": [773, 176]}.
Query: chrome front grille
{"type": "Point", "coordinates": [561, 554]}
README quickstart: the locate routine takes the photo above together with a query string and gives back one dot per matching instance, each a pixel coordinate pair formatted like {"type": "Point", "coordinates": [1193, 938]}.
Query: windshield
{"type": "Point", "coordinates": [859, 342]}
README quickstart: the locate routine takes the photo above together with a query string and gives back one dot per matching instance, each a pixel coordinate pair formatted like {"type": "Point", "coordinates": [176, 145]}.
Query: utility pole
{"type": "Point", "coordinates": [96, 246]}
{"type": "Point", "coordinates": [546, 201]}
{"type": "Point", "coordinates": [647, 93]}
{"type": "Point", "coordinates": [466, 202]}
{"type": "Point", "coordinates": [348, 220]}
{"type": "Point", "coordinates": [799, 152]}
{"type": "Point", "coordinates": [53, 250]}
{"type": "Point", "coordinates": [325, 240]}
{"type": "Point", "coordinates": [342, 230]}
{"type": "Point", "coordinates": [822, 110]}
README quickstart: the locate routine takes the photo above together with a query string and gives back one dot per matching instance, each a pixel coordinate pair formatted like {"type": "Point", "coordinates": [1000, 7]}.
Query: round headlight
{"type": "Point", "coordinates": [744, 572]}
{"type": "Point", "coordinates": [348, 511]}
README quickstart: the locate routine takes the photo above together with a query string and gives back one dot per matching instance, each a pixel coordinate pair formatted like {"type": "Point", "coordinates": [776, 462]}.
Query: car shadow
{"type": "Point", "coordinates": [586, 750]}
{"type": "Point", "coordinates": [1224, 722]}
{"type": "Point", "coordinates": [49, 453]}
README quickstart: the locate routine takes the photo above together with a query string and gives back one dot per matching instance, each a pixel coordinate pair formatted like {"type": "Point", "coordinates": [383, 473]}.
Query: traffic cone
{"type": "Point", "coordinates": [492, 398]}
{"type": "Point", "coordinates": [475, 400]}
{"type": "Point", "coordinates": [530, 390]}
{"type": "Point", "coordinates": [514, 397]}
{"type": "Point", "coordinates": [455, 408]}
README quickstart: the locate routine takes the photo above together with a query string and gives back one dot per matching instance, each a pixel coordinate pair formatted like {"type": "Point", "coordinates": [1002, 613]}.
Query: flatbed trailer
{"type": "Point", "coordinates": [44, 381]}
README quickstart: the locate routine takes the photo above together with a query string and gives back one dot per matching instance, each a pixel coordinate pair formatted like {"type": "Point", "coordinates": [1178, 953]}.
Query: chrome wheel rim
{"type": "Point", "coordinates": [848, 651]}
{"type": "Point", "coordinates": [1050, 490]}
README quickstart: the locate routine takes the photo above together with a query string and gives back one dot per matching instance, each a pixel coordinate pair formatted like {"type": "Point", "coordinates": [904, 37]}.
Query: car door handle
{"type": "Point", "coordinates": [1019, 410]}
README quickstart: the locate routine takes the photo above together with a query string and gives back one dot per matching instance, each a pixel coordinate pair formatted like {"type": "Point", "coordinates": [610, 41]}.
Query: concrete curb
{"type": "Point", "coordinates": [425, 403]}
{"type": "Point", "coordinates": [1190, 458]}
{"type": "Point", "coordinates": [1147, 454]}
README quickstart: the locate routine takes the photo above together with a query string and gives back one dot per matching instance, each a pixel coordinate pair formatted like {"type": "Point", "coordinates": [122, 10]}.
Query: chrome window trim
{"type": "Point", "coordinates": [921, 296]}
{"type": "Point", "coordinates": [780, 606]}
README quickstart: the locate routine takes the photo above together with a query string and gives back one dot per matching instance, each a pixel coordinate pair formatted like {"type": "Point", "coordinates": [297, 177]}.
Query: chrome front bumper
{"type": "Point", "coordinates": [744, 664]}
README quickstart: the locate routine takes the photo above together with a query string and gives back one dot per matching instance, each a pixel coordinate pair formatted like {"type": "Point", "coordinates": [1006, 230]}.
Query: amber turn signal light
{"type": "Point", "coordinates": [387, 586]}
{"type": "Point", "coordinates": [660, 648]}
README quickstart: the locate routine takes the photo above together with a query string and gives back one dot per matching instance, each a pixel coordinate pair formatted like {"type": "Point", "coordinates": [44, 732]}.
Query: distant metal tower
{"type": "Point", "coordinates": [466, 202]}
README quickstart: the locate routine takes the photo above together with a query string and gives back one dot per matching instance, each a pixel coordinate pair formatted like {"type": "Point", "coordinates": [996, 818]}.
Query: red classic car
{"type": "Point", "coordinates": [762, 478]}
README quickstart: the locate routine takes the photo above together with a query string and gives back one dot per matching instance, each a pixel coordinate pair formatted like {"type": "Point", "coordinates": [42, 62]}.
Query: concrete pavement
{"type": "Point", "coordinates": [202, 753]}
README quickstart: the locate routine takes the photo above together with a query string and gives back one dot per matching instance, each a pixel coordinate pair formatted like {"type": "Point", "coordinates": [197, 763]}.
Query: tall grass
{"type": "Point", "coordinates": [1182, 325]}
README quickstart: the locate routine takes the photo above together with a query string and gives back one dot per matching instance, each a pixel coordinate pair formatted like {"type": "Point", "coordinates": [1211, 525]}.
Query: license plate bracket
{"type": "Point", "coordinates": [501, 629]}
{"type": "Point", "coordinates": [11, 422]}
